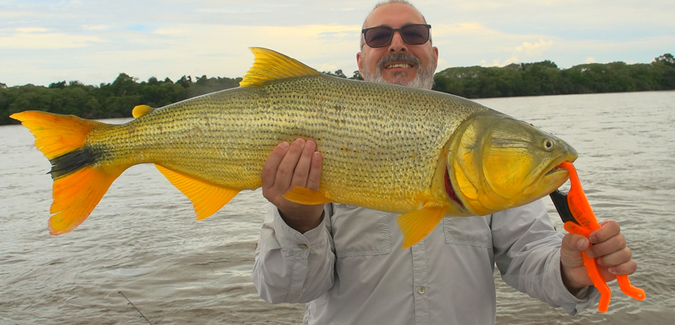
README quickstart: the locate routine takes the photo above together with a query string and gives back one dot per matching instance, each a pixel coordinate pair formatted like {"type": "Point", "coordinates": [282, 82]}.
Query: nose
{"type": "Point", "coordinates": [397, 44]}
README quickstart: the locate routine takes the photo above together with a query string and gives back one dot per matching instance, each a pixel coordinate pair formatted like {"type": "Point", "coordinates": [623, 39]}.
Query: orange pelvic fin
{"type": "Point", "coordinates": [79, 184]}
{"type": "Point", "coordinates": [418, 224]}
{"type": "Point", "coordinates": [206, 198]}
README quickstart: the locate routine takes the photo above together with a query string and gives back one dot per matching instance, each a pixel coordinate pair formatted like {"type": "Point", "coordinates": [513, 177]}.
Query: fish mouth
{"type": "Point", "coordinates": [569, 157]}
{"type": "Point", "coordinates": [556, 169]}
{"type": "Point", "coordinates": [556, 175]}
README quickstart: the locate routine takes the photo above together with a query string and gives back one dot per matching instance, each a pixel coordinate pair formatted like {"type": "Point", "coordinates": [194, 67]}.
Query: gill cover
{"type": "Point", "coordinates": [497, 162]}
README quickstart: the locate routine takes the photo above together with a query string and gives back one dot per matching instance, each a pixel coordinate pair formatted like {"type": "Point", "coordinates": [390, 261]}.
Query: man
{"type": "Point", "coordinates": [345, 261]}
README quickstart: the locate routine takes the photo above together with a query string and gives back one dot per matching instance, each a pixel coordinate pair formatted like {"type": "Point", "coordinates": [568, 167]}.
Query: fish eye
{"type": "Point", "coordinates": [548, 144]}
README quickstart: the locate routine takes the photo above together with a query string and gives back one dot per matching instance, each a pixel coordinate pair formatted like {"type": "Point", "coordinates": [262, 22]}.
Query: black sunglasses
{"type": "Point", "coordinates": [381, 36]}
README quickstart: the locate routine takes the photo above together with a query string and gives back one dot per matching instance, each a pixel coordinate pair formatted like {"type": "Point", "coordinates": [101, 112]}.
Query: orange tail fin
{"type": "Point", "coordinates": [79, 182]}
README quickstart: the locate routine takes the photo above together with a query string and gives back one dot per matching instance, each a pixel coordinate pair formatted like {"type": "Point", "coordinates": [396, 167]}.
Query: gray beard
{"type": "Point", "coordinates": [424, 78]}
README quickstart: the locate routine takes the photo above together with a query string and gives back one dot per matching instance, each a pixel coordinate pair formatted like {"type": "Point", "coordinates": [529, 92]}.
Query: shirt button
{"type": "Point", "coordinates": [303, 246]}
{"type": "Point", "coordinates": [421, 290]}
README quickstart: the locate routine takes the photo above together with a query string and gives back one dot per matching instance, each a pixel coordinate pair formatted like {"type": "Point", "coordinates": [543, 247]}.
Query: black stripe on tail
{"type": "Point", "coordinates": [73, 161]}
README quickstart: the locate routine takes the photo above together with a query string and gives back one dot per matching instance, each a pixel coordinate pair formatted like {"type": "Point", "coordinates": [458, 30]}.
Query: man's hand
{"type": "Point", "coordinates": [608, 244]}
{"type": "Point", "coordinates": [288, 166]}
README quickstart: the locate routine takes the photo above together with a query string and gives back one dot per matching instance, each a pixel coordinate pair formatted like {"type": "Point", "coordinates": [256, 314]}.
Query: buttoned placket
{"type": "Point", "coordinates": [420, 283]}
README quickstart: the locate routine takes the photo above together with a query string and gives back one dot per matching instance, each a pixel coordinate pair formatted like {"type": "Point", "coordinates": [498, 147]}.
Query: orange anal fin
{"type": "Point", "coordinates": [76, 195]}
{"type": "Point", "coordinates": [206, 198]}
{"type": "Point", "coordinates": [306, 196]}
{"type": "Point", "coordinates": [418, 224]}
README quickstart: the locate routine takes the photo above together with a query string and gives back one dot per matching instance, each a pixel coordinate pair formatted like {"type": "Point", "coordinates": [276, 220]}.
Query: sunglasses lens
{"type": "Point", "coordinates": [379, 36]}
{"type": "Point", "coordinates": [415, 34]}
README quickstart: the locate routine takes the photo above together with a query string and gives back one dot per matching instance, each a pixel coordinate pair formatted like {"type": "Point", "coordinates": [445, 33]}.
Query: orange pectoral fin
{"type": "Point", "coordinates": [206, 198]}
{"type": "Point", "coordinates": [418, 224]}
{"type": "Point", "coordinates": [306, 196]}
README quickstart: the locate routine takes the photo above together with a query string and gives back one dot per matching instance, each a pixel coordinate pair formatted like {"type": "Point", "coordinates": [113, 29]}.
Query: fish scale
{"type": "Point", "coordinates": [226, 137]}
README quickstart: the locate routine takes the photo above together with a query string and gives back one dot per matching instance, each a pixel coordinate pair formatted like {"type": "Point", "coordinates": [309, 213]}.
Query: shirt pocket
{"type": "Point", "coordinates": [468, 231]}
{"type": "Point", "coordinates": [359, 231]}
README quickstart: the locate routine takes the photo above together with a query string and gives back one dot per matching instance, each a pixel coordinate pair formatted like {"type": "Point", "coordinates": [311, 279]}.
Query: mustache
{"type": "Point", "coordinates": [404, 57]}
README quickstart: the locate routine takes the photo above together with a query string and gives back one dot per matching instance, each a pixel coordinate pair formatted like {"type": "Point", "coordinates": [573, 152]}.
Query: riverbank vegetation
{"type": "Point", "coordinates": [116, 99]}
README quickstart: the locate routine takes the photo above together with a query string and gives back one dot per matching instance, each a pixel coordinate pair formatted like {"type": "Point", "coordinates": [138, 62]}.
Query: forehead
{"type": "Point", "coordinates": [393, 15]}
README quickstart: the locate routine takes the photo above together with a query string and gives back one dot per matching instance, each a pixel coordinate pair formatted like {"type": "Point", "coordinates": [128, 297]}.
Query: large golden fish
{"type": "Point", "coordinates": [420, 153]}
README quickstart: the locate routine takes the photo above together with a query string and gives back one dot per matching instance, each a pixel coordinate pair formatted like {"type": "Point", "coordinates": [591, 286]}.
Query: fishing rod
{"type": "Point", "coordinates": [130, 303]}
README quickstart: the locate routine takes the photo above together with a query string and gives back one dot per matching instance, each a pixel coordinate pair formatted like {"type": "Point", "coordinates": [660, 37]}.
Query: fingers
{"type": "Point", "coordinates": [269, 171]}
{"type": "Point", "coordinates": [290, 165]}
{"type": "Point", "coordinates": [571, 248]}
{"type": "Point", "coordinates": [607, 230]}
{"type": "Point", "coordinates": [315, 172]}
{"type": "Point", "coordinates": [611, 245]}
{"type": "Point", "coordinates": [304, 162]}
{"type": "Point", "coordinates": [286, 168]}
{"type": "Point", "coordinates": [627, 268]}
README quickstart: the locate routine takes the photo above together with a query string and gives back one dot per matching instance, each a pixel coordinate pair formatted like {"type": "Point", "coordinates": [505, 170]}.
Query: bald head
{"type": "Point", "coordinates": [398, 4]}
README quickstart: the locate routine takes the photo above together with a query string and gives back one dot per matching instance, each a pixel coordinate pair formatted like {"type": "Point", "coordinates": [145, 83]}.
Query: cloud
{"type": "Point", "coordinates": [31, 30]}
{"type": "Point", "coordinates": [94, 41]}
{"type": "Point", "coordinates": [499, 63]}
{"type": "Point", "coordinates": [183, 49]}
{"type": "Point", "coordinates": [41, 38]}
{"type": "Point", "coordinates": [472, 43]}
{"type": "Point", "coordinates": [590, 60]}
{"type": "Point", "coordinates": [534, 49]}
{"type": "Point", "coordinates": [95, 27]}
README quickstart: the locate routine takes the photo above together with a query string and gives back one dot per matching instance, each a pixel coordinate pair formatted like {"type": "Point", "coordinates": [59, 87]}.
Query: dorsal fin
{"type": "Point", "coordinates": [270, 65]}
{"type": "Point", "coordinates": [140, 110]}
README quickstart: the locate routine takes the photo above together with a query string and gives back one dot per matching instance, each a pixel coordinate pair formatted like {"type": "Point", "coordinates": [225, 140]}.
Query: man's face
{"type": "Point", "coordinates": [398, 62]}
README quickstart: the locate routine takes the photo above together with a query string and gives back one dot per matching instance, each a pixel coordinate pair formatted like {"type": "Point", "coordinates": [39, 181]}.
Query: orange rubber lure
{"type": "Point", "coordinates": [576, 213]}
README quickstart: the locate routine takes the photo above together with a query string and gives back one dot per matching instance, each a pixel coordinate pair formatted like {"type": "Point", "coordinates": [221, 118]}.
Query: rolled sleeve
{"type": "Point", "coordinates": [290, 266]}
{"type": "Point", "coordinates": [527, 253]}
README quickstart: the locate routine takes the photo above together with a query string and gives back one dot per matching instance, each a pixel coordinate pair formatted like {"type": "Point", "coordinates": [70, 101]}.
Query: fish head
{"type": "Point", "coordinates": [496, 162]}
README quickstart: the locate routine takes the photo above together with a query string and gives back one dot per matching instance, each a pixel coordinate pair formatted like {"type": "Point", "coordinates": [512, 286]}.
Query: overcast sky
{"type": "Point", "coordinates": [43, 41]}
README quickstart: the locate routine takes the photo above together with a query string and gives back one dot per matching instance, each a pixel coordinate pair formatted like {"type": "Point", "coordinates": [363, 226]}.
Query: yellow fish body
{"type": "Point", "coordinates": [420, 153]}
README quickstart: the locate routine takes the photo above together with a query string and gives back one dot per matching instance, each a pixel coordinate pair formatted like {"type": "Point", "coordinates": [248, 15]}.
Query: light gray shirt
{"type": "Point", "coordinates": [351, 269]}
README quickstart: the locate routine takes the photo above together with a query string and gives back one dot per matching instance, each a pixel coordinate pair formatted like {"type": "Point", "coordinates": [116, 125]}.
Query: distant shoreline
{"type": "Point", "coordinates": [116, 99]}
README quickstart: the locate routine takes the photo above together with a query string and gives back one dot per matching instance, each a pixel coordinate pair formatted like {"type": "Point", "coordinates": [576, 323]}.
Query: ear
{"type": "Point", "coordinates": [359, 62]}
{"type": "Point", "coordinates": [435, 50]}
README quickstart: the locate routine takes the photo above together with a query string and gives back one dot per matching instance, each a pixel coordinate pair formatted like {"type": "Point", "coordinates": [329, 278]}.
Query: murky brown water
{"type": "Point", "coordinates": [142, 239]}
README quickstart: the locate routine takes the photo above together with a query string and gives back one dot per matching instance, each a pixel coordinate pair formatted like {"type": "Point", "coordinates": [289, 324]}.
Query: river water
{"type": "Point", "coordinates": [142, 239]}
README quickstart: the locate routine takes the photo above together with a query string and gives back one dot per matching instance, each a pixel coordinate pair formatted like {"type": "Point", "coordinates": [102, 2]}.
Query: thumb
{"type": "Point", "coordinates": [570, 251]}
